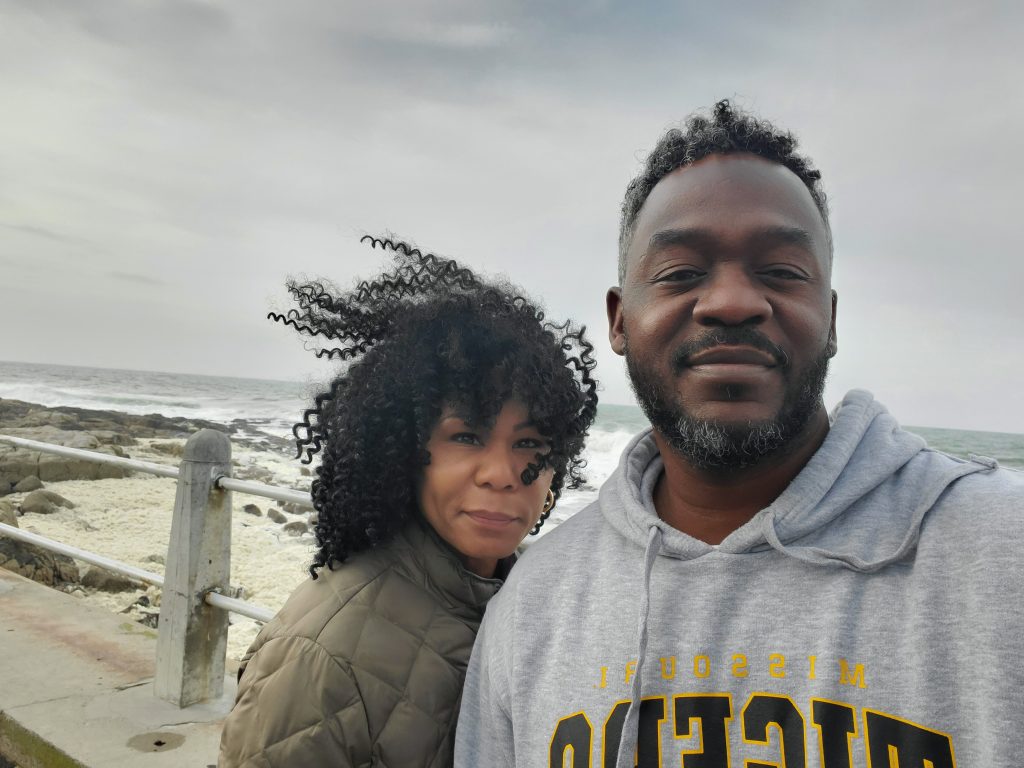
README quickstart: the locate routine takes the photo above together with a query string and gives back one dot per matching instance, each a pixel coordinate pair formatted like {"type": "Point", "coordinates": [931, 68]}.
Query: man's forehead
{"type": "Point", "coordinates": [729, 191]}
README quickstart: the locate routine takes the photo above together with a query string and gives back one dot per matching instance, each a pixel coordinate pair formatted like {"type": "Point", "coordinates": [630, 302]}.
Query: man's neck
{"type": "Point", "coordinates": [709, 505]}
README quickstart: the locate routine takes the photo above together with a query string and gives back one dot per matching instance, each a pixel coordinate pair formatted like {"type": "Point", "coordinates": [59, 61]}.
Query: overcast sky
{"type": "Point", "coordinates": [164, 166]}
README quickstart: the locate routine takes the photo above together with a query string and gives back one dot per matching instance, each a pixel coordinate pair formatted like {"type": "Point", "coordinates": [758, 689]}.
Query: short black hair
{"type": "Point", "coordinates": [727, 130]}
{"type": "Point", "coordinates": [424, 334]}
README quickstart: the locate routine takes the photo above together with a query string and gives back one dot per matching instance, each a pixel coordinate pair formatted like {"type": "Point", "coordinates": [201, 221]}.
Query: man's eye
{"type": "Point", "coordinates": [784, 273]}
{"type": "Point", "coordinates": [680, 276]}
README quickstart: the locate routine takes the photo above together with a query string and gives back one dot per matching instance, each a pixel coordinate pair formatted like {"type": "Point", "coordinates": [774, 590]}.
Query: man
{"type": "Point", "coordinates": [759, 584]}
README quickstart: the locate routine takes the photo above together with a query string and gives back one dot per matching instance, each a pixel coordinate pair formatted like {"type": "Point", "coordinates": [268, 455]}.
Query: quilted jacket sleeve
{"type": "Point", "coordinates": [296, 706]}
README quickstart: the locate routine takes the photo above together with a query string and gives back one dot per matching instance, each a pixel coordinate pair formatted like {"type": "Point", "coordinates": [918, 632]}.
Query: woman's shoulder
{"type": "Point", "coordinates": [316, 603]}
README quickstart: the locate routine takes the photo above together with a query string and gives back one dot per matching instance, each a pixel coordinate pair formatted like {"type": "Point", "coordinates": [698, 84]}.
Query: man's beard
{"type": "Point", "coordinates": [708, 444]}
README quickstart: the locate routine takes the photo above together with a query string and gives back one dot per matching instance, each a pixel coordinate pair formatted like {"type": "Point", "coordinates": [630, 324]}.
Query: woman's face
{"type": "Point", "coordinates": [472, 491]}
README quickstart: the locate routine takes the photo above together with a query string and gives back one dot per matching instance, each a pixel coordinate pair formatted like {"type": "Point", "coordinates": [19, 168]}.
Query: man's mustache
{"type": "Point", "coordinates": [741, 336]}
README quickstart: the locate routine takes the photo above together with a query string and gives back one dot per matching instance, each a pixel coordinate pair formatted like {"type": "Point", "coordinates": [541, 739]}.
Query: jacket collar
{"type": "Point", "coordinates": [463, 593]}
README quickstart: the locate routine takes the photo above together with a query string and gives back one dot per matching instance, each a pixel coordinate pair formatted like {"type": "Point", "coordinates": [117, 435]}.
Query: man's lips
{"type": "Point", "coordinates": [731, 355]}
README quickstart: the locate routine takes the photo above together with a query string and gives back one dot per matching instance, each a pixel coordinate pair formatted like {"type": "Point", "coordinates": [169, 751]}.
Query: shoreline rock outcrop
{"type": "Point", "coordinates": [91, 430]}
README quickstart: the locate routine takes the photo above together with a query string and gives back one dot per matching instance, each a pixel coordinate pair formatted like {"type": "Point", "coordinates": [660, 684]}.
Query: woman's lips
{"type": "Point", "coordinates": [488, 518]}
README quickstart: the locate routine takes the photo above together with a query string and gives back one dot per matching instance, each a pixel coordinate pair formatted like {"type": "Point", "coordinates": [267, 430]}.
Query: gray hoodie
{"type": "Point", "coordinates": [871, 617]}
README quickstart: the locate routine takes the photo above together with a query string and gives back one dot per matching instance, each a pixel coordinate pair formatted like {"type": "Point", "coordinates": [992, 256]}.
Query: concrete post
{"type": "Point", "coordinates": [192, 642]}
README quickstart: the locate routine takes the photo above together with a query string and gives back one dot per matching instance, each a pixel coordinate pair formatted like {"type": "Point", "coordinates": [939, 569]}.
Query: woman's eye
{"type": "Point", "coordinates": [467, 438]}
{"type": "Point", "coordinates": [532, 443]}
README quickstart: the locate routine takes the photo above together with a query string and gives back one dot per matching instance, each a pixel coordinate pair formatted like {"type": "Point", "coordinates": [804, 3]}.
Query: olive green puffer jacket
{"type": "Point", "coordinates": [363, 666]}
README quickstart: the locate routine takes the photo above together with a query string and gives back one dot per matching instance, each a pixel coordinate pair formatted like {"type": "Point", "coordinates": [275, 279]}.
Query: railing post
{"type": "Point", "coordinates": [192, 642]}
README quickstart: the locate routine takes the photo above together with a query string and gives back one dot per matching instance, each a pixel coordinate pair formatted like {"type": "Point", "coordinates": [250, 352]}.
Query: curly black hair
{"type": "Point", "coordinates": [727, 130]}
{"type": "Point", "coordinates": [427, 333]}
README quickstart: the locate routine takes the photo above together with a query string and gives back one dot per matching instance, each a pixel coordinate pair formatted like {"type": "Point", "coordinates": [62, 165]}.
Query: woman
{"type": "Point", "coordinates": [445, 441]}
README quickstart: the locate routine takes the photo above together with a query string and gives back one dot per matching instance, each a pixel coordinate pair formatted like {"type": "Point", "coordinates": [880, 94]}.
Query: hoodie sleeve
{"type": "Point", "coordinates": [484, 735]}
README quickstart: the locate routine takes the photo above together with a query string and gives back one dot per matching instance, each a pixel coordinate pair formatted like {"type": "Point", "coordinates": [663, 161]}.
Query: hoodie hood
{"type": "Point", "coordinates": [866, 460]}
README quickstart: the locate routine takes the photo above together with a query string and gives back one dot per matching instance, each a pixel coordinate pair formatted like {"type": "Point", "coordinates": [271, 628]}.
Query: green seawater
{"type": "Point", "coordinates": [1006, 448]}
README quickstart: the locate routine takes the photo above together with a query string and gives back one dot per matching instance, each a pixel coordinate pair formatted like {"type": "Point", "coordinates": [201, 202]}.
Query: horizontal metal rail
{"type": "Point", "coordinates": [163, 470]}
{"type": "Point", "coordinates": [233, 604]}
{"type": "Point", "coordinates": [268, 491]}
{"type": "Point", "coordinates": [215, 599]}
{"type": "Point", "coordinates": [80, 554]}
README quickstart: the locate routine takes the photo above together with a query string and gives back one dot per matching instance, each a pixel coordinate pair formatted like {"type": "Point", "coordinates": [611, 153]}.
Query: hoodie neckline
{"type": "Point", "coordinates": [864, 446]}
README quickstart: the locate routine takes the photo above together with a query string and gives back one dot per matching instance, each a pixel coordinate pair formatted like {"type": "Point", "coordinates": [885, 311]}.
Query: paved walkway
{"type": "Point", "coordinates": [76, 689]}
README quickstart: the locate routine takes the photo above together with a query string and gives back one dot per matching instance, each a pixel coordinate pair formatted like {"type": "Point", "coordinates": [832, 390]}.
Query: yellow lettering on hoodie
{"type": "Point", "coordinates": [701, 666]}
{"type": "Point", "coordinates": [739, 665]}
{"type": "Point", "coordinates": [668, 667]}
{"type": "Point", "coordinates": [855, 678]}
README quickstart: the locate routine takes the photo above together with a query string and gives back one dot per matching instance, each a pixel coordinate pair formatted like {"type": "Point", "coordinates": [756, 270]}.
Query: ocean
{"type": "Point", "coordinates": [271, 408]}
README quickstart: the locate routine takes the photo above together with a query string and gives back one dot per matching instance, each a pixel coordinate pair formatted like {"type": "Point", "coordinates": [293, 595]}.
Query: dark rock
{"type": "Point", "coordinates": [30, 483]}
{"type": "Point", "coordinates": [105, 431]}
{"type": "Point", "coordinates": [105, 581]}
{"type": "Point", "coordinates": [54, 469]}
{"type": "Point", "coordinates": [36, 563]}
{"type": "Point", "coordinates": [252, 509]}
{"type": "Point", "coordinates": [305, 471]}
{"type": "Point", "coordinates": [7, 514]}
{"type": "Point", "coordinates": [44, 503]}
{"type": "Point", "coordinates": [37, 504]}
{"type": "Point", "coordinates": [55, 497]}
{"type": "Point", "coordinates": [276, 515]}
{"type": "Point", "coordinates": [111, 427]}
{"type": "Point", "coordinates": [15, 465]}
{"type": "Point", "coordinates": [170, 448]}
{"type": "Point", "coordinates": [295, 528]}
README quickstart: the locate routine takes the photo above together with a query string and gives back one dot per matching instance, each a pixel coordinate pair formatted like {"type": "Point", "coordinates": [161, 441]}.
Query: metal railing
{"type": "Point", "coordinates": [191, 638]}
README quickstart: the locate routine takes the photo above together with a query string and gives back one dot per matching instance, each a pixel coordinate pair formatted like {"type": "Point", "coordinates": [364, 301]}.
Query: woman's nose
{"type": "Point", "coordinates": [497, 468]}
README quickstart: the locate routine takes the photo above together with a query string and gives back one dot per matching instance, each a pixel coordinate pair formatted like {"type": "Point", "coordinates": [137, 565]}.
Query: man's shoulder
{"type": "Point", "coordinates": [994, 490]}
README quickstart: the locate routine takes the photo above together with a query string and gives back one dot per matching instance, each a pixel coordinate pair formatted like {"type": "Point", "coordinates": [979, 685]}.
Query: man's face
{"type": "Point", "coordinates": [726, 316]}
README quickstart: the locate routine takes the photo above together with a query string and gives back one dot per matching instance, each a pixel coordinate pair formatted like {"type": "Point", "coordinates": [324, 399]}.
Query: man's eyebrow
{"type": "Point", "coordinates": [697, 237]}
{"type": "Point", "coordinates": [689, 237]}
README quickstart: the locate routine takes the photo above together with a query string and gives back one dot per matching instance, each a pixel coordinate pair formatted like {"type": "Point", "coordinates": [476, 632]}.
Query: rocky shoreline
{"type": "Point", "coordinates": [77, 501]}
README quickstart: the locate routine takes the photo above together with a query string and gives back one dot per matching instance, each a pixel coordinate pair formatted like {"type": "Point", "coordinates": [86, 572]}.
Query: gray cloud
{"type": "Point", "coordinates": [138, 279]}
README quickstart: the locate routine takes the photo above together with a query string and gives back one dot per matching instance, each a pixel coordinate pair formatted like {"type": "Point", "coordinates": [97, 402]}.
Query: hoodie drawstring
{"type": "Point", "coordinates": [818, 556]}
{"type": "Point", "coordinates": [627, 741]}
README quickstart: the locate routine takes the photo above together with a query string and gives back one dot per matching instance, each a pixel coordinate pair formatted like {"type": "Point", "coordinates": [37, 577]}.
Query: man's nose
{"type": "Point", "coordinates": [731, 297]}
{"type": "Point", "coordinates": [497, 468]}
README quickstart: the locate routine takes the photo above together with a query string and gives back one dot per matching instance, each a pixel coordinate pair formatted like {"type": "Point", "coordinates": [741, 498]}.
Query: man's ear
{"type": "Point", "coordinates": [833, 342]}
{"type": "Point", "coordinates": [616, 333]}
